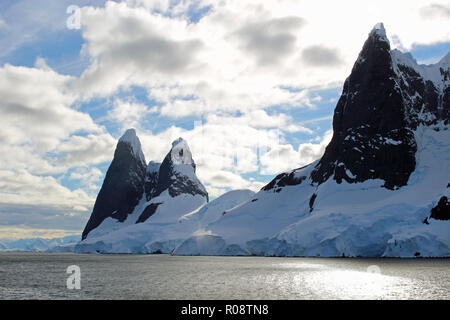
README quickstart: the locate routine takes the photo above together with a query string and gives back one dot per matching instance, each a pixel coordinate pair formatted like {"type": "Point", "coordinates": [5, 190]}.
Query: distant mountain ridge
{"type": "Point", "coordinates": [37, 244]}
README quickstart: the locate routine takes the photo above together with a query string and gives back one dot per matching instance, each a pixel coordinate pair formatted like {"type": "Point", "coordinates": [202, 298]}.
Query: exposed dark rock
{"type": "Point", "coordinates": [174, 180]}
{"type": "Point", "coordinates": [442, 210]}
{"type": "Point", "coordinates": [129, 179]}
{"type": "Point", "coordinates": [148, 212]}
{"type": "Point", "coordinates": [151, 180]}
{"type": "Point", "coordinates": [122, 188]}
{"type": "Point", "coordinates": [311, 202]}
{"type": "Point", "coordinates": [284, 179]}
{"type": "Point", "coordinates": [372, 139]}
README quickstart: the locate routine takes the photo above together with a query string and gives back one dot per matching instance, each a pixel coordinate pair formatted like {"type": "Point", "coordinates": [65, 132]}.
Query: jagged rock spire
{"type": "Point", "coordinates": [123, 185]}
{"type": "Point", "coordinates": [177, 172]}
{"type": "Point", "coordinates": [372, 138]}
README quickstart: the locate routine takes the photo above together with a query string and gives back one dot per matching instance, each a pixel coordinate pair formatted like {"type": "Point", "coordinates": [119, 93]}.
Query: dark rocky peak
{"type": "Point", "coordinates": [177, 172]}
{"type": "Point", "coordinates": [130, 141]}
{"type": "Point", "coordinates": [123, 186]}
{"type": "Point", "coordinates": [372, 139]}
{"type": "Point", "coordinates": [387, 95]}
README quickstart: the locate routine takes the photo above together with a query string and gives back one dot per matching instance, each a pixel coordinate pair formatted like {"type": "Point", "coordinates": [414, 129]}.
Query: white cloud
{"type": "Point", "coordinates": [41, 201]}
{"type": "Point", "coordinates": [84, 150]}
{"type": "Point", "coordinates": [241, 53]}
{"type": "Point", "coordinates": [226, 147]}
{"type": "Point", "coordinates": [129, 114]}
{"type": "Point", "coordinates": [42, 134]}
{"type": "Point", "coordinates": [284, 157]}
{"type": "Point", "coordinates": [23, 231]}
{"type": "Point", "coordinates": [35, 107]}
{"type": "Point", "coordinates": [89, 178]}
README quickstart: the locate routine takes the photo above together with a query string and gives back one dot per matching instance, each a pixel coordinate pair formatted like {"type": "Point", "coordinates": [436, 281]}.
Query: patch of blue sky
{"type": "Point", "coordinates": [60, 50]}
{"type": "Point", "coordinates": [34, 29]}
{"type": "Point", "coordinates": [194, 12]}
{"type": "Point", "coordinates": [317, 118]}
{"type": "Point", "coordinates": [429, 54]}
{"type": "Point", "coordinates": [73, 184]}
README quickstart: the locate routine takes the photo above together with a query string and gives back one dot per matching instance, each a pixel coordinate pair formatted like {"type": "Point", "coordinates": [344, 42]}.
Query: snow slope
{"type": "Point", "coordinates": [359, 219]}
{"type": "Point", "coordinates": [372, 192]}
{"type": "Point", "coordinates": [176, 219]}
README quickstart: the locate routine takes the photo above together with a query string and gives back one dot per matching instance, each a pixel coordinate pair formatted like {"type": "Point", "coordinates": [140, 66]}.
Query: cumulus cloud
{"type": "Point", "coordinates": [239, 55]}
{"type": "Point", "coordinates": [33, 117]}
{"type": "Point", "coordinates": [318, 55]}
{"type": "Point", "coordinates": [85, 150]}
{"type": "Point", "coordinates": [270, 40]}
{"type": "Point", "coordinates": [42, 134]}
{"type": "Point", "coordinates": [88, 177]}
{"type": "Point", "coordinates": [227, 147]}
{"type": "Point", "coordinates": [285, 157]}
{"type": "Point", "coordinates": [436, 10]}
{"type": "Point", "coordinates": [129, 114]}
{"type": "Point", "coordinates": [50, 203]}
{"type": "Point", "coordinates": [38, 119]}
{"type": "Point", "coordinates": [133, 45]}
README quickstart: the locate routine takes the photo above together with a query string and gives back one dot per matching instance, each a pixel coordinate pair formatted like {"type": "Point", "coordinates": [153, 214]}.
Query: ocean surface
{"type": "Point", "coordinates": [44, 276]}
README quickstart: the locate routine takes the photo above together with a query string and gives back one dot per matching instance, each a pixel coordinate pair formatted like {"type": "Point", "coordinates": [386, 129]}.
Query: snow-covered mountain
{"type": "Point", "coordinates": [382, 185]}
{"type": "Point", "coordinates": [177, 221]}
{"type": "Point", "coordinates": [123, 185]}
{"type": "Point", "coordinates": [380, 189]}
{"type": "Point", "coordinates": [3, 247]}
{"type": "Point", "coordinates": [164, 203]}
{"type": "Point", "coordinates": [38, 244]}
{"type": "Point", "coordinates": [132, 191]}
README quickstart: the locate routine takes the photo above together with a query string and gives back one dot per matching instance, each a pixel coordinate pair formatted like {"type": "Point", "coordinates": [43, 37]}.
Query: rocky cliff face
{"type": "Point", "coordinates": [383, 101]}
{"type": "Point", "coordinates": [151, 179]}
{"type": "Point", "coordinates": [123, 185]}
{"type": "Point", "coordinates": [385, 98]}
{"type": "Point", "coordinates": [130, 185]}
{"type": "Point", "coordinates": [177, 172]}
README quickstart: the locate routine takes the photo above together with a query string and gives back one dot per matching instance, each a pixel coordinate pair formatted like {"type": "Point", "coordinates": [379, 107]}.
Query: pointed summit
{"type": "Point", "coordinates": [369, 115]}
{"type": "Point", "coordinates": [172, 178]}
{"type": "Point", "coordinates": [177, 172]}
{"type": "Point", "coordinates": [123, 185]}
{"type": "Point", "coordinates": [379, 30]}
{"type": "Point", "coordinates": [130, 138]}
{"type": "Point", "coordinates": [180, 153]}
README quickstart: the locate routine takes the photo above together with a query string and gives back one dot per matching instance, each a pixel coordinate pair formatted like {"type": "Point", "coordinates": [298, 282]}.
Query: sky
{"type": "Point", "coordinates": [251, 85]}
